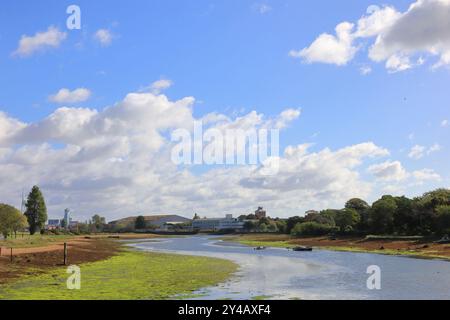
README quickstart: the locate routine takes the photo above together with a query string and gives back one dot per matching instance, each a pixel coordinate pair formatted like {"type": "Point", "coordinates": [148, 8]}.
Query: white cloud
{"type": "Point", "coordinates": [116, 161]}
{"type": "Point", "coordinates": [421, 32]}
{"type": "Point", "coordinates": [426, 175]}
{"type": "Point", "coordinates": [434, 148]}
{"type": "Point", "coordinates": [444, 123]}
{"type": "Point", "coordinates": [365, 70]}
{"type": "Point", "coordinates": [158, 86]}
{"type": "Point", "coordinates": [28, 45]}
{"type": "Point", "coordinates": [418, 152]}
{"type": "Point", "coordinates": [389, 171]}
{"type": "Point", "coordinates": [330, 49]}
{"type": "Point", "coordinates": [104, 37]}
{"type": "Point", "coordinates": [66, 96]}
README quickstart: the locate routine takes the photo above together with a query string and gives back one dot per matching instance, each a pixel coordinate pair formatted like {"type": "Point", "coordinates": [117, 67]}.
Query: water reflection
{"type": "Point", "coordinates": [321, 274]}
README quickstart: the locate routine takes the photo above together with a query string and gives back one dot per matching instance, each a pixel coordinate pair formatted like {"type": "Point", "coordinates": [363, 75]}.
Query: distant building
{"type": "Point", "coordinates": [156, 221]}
{"type": "Point", "coordinates": [67, 218]}
{"type": "Point", "coordinates": [260, 213]}
{"type": "Point", "coordinates": [73, 224]}
{"type": "Point", "coordinates": [217, 224]}
{"type": "Point", "coordinates": [53, 224]}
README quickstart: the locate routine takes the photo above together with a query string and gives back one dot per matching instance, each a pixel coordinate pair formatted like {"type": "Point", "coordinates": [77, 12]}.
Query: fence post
{"type": "Point", "coordinates": [65, 253]}
{"type": "Point", "coordinates": [11, 256]}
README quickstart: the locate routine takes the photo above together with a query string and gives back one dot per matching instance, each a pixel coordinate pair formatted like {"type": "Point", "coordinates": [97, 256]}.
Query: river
{"type": "Point", "coordinates": [277, 273]}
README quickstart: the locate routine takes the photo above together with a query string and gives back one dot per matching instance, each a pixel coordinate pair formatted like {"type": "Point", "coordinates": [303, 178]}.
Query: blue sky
{"type": "Point", "coordinates": [233, 57]}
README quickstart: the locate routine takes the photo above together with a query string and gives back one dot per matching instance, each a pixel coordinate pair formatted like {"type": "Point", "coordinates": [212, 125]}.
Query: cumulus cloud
{"type": "Point", "coordinates": [401, 39]}
{"type": "Point", "coordinates": [66, 96]}
{"type": "Point", "coordinates": [51, 38]}
{"type": "Point", "coordinates": [117, 161]}
{"type": "Point", "coordinates": [104, 37]}
{"type": "Point", "coordinates": [389, 171]}
{"type": "Point", "coordinates": [332, 49]}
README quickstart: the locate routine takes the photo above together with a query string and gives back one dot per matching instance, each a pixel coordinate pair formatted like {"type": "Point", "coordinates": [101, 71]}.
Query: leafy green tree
{"type": "Point", "coordinates": [382, 215]}
{"type": "Point", "coordinates": [357, 204]}
{"type": "Point", "coordinates": [404, 217]}
{"type": "Point", "coordinates": [98, 223]}
{"type": "Point", "coordinates": [311, 229]}
{"type": "Point", "coordinates": [281, 226]}
{"type": "Point", "coordinates": [11, 220]}
{"type": "Point", "coordinates": [140, 223]}
{"type": "Point", "coordinates": [443, 219]}
{"type": "Point", "coordinates": [292, 222]}
{"type": "Point", "coordinates": [250, 225]}
{"type": "Point", "coordinates": [347, 219]}
{"type": "Point", "coordinates": [36, 210]}
{"type": "Point", "coordinates": [324, 217]}
{"type": "Point", "coordinates": [433, 199]}
{"type": "Point", "coordinates": [363, 209]}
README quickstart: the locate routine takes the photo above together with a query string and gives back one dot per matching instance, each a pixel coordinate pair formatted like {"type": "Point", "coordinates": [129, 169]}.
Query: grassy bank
{"type": "Point", "coordinates": [128, 275]}
{"type": "Point", "coordinates": [406, 247]}
{"type": "Point", "coordinates": [31, 241]}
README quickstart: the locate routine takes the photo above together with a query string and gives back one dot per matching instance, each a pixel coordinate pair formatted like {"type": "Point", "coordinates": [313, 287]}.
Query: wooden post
{"type": "Point", "coordinates": [0, 251]}
{"type": "Point", "coordinates": [11, 256]}
{"type": "Point", "coordinates": [65, 253]}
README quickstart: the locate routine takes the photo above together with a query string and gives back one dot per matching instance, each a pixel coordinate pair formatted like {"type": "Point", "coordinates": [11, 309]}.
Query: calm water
{"type": "Point", "coordinates": [321, 274]}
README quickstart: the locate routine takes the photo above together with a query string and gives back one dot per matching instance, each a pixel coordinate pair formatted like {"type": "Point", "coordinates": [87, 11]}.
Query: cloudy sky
{"type": "Point", "coordinates": [359, 89]}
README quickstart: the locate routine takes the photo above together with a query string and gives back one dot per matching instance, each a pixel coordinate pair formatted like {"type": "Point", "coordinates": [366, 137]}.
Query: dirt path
{"type": "Point", "coordinates": [38, 259]}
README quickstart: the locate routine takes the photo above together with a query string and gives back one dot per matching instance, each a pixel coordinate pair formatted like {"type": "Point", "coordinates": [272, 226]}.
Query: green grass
{"type": "Point", "coordinates": [258, 243]}
{"type": "Point", "coordinates": [36, 240]}
{"type": "Point", "coordinates": [130, 275]}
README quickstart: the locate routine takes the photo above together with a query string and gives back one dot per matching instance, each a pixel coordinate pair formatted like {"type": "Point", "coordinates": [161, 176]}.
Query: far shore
{"type": "Point", "coordinates": [416, 248]}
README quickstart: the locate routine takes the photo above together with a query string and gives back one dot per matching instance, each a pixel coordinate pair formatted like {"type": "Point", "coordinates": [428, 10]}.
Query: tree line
{"type": "Point", "coordinates": [426, 215]}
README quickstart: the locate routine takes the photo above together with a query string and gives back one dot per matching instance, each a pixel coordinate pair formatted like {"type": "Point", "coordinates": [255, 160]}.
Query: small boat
{"type": "Point", "coordinates": [301, 248]}
{"type": "Point", "coordinates": [260, 248]}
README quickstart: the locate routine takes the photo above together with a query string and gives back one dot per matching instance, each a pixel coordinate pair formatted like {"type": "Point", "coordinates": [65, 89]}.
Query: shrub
{"type": "Point", "coordinates": [311, 229]}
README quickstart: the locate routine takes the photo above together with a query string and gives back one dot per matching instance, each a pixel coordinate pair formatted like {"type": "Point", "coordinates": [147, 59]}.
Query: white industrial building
{"type": "Point", "coordinates": [216, 224]}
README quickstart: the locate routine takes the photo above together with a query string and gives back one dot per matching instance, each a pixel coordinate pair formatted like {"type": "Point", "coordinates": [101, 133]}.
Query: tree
{"type": "Point", "coordinates": [36, 210]}
{"type": "Point", "coordinates": [196, 217]}
{"type": "Point", "coordinates": [324, 217]}
{"type": "Point", "coordinates": [140, 223]}
{"type": "Point", "coordinates": [357, 204]}
{"type": "Point", "coordinates": [292, 222]}
{"type": "Point", "coordinates": [347, 219]}
{"type": "Point", "coordinates": [311, 229]}
{"type": "Point", "coordinates": [363, 208]}
{"type": "Point", "coordinates": [404, 217]}
{"type": "Point", "coordinates": [98, 223]}
{"type": "Point", "coordinates": [11, 220]}
{"type": "Point", "coordinates": [443, 219]}
{"type": "Point", "coordinates": [250, 225]}
{"type": "Point", "coordinates": [281, 226]}
{"type": "Point", "coordinates": [382, 215]}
